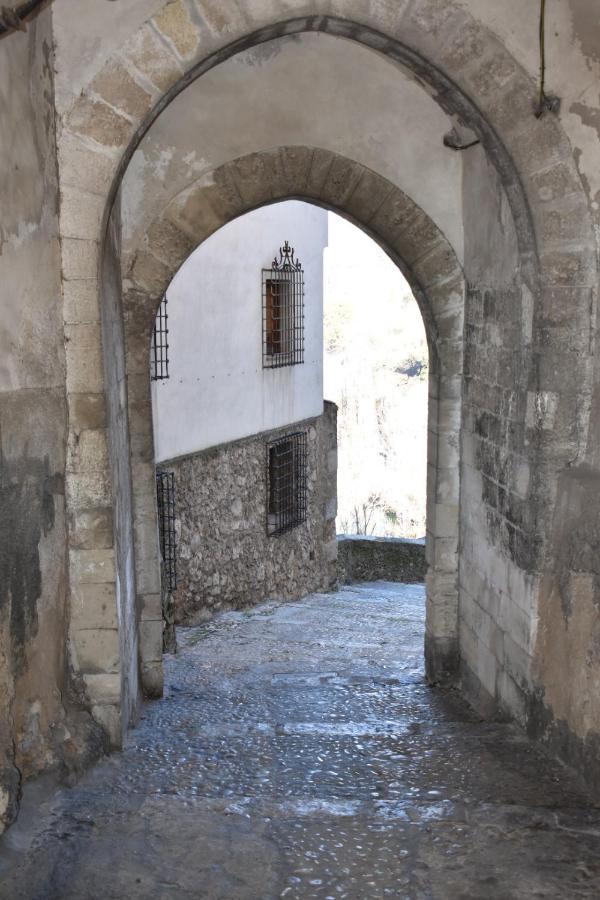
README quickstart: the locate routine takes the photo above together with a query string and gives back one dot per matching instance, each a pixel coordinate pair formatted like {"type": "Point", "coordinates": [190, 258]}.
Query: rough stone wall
{"type": "Point", "coordinates": [225, 558]}
{"type": "Point", "coordinates": [363, 558]}
{"type": "Point", "coordinates": [40, 726]}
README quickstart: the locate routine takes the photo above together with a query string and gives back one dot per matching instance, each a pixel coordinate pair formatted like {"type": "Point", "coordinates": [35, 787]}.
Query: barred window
{"type": "Point", "coordinates": [165, 496]}
{"type": "Point", "coordinates": [159, 351]}
{"type": "Point", "coordinates": [286, 483]}
{"type": "Point", "coordinates": [283, 311]}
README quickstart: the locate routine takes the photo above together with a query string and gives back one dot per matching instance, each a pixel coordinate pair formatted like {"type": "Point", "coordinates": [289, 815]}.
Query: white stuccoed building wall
{"type": "Point", "coordinates": [218, 391]}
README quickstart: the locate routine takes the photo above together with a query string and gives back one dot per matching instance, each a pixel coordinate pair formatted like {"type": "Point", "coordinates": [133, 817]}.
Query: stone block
{"type": "Point", "coordinates": [368, 196]}
{"type": "Point", "coordinates": [541, 409]}
{"type": "Point", "coordinates": [560, 180]}
{"type": "Point", "coordinates": [87, 410]}
{"type": "Point", "coordinates": [512, 699]}
{"type": "Point", "coordinates": [296, 162]}
{"type": "Point", "coordinates": [146, 537]}
{"type": "Point", "coordinates": [150, 607]}
{"type": "Point", "coordinates": [445, 520]}
{"type": "Point", "coordinates": [152, 679]}
{"type": "Point", "coordinates": [115, 85]}
{"type": "Point", "coordinates": [85, 365]}
{"type": "Point", "coordinates": [91, 529]}
{"type": "Point", "coordinates": [95, 566]}
{"type": "Point", "coordinates": [96, 650]}
{"type": "Point", "coordinates": [103, 689]}
{"type": "Point", "coordinates": [466, 45]}
{"type": "Point", "coordinates": [152, 59]}
{"type": "Point", "coordinates": [93, 606]}
{"type": "Point", "coordinates": [321, 163]}
{"type": "Point", "coordinates": [448, 450]}
{"type": "Point", "coordinates": [80, 299]}
{"type": "Point", "coordinates": [170, 244]}
{"type": "Point", "coordinates": [342, 178]}
{"type": "Point", "coordinates": [109, 717]}
{"type": "Point", "coordinates": [393, 217]}
{"type": "Point", "coordinates": [148, 576]}
{"type": "Point", "coordinates": [437, 265]}
{"type": "Point", "coordinates": [252, 179]}
{"type": "Point", "coordinates": [84, 166]}
{"type": "Point", "coordinates": [150, 274]}
{"type": "Point", "coordinates": [203, 208]}
{"type": "Point", "coordinates": [446, 485]}
{"type": "Point", "coordinates": [479, 658]}
{"type": "Point", "coordinates": [223, 17]}
{"type": "Point", "coordinates": [151, 632]}
{"type": "Point", "coordinates": [444, 554]}
{"type": "Point", "coordinates": [566, 220]}
{"type": "Point", "coordinates": [81, 213]}
{"type": "Point", "coordinates": [98, 121]}
{"type": "Point", "coordinates": [516, 661]}
{"type": "Point", "coordinates": [79, 259]}
{"type": "Point", "coordinates": [441, 616]}
{"type": "Point", "coordinates": [174, 22]}
{"type": "Point", "coordinates": [87, 451]}
{"type": "Point", "coordinates": [88, 487]}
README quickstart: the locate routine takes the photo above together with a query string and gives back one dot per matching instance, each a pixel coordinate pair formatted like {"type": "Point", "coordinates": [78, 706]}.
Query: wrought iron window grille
{"type": "Point", "coordinates": [286, 483]}
{"type": "Point", "coordinates": [283, 311]}
{"type": "Point", "coordinates": [159, 352]}
{"type": "Point", "coordinates": [165, 496]}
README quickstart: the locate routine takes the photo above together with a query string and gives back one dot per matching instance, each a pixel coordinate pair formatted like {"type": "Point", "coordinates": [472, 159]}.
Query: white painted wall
{"type": "Point", "coordinates": [218, 390]}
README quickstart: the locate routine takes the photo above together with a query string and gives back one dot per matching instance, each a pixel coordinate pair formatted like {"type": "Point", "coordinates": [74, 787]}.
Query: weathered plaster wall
{"type": "Point", "coordinates": [218, 390]}
{"type": "Point", "coordinates": [572, 68]}
{"type": "Point", "coordinates": [38, 726]}
{"type": "Point", "coordinates": [293, 91]}
{"type": "Point", "coordinates": [225, 557]}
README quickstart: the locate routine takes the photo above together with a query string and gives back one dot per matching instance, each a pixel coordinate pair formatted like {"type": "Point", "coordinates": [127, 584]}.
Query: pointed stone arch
{"type": "Point", "coordinates": [542, 427]}
{"type": "Point", "coordinates": [432, 269]}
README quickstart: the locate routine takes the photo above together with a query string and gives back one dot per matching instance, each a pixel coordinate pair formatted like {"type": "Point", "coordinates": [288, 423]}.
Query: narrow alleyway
{"type": "Point", "coordinates": [298, 753]}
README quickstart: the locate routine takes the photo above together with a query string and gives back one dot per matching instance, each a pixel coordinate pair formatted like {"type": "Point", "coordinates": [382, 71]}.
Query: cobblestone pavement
{"type": "Point", "coordinates": [298, 753]}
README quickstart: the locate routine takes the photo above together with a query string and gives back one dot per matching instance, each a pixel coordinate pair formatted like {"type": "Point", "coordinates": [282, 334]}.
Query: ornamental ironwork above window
{"type": "Point", "coordinates": [283, 311]}
{"type": "Point", "coordinates": [159, 350]}
{"type": "Point", "coordinates": [165, 497]}
{"type": "Point", "coordinates": [286, 483]}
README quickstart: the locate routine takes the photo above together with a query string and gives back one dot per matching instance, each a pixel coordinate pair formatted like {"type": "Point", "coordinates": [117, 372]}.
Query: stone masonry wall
{"type": "Point", "coordinates": [225, 558]}
{"type": "Point", "coordinates": [369, 558]}
{"type": "Point", "coordinates": [42, 724]}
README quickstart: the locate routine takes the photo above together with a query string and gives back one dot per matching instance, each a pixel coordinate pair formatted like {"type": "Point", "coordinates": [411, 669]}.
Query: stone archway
{"type": "Point", "coordinates": [435, 275]}
{"type": "Point", "coordinates": [524, 427]}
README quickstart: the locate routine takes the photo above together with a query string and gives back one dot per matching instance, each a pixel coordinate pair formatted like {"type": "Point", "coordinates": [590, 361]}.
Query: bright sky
{"type": "Point", "coordinates": [373, 333]}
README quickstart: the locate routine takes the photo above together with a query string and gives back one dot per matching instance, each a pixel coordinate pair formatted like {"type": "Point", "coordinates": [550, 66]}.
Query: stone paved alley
{"type": "Point", "coordinates": [298, 753]}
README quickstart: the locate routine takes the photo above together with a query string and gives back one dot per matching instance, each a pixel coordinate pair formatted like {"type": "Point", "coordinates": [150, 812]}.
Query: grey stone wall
{"type": "Point", "coordinates": [41, 726]}
{"type": "Point", "coordinates": [369, 558]}
{"type": "Point", "coordinates": [121, 494]}
{"type": "Point", "coordinates": [501, 519]}
{"type": "Point", "coordinates": [225, 558]}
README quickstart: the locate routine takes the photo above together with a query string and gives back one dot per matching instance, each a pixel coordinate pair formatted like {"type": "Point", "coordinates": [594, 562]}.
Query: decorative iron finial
{"type": "Point", "coordinates": [287, 260]}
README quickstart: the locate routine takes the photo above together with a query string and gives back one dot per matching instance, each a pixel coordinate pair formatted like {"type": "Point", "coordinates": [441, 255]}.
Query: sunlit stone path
{"type": "Point", "coordinates": [298, 753]}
